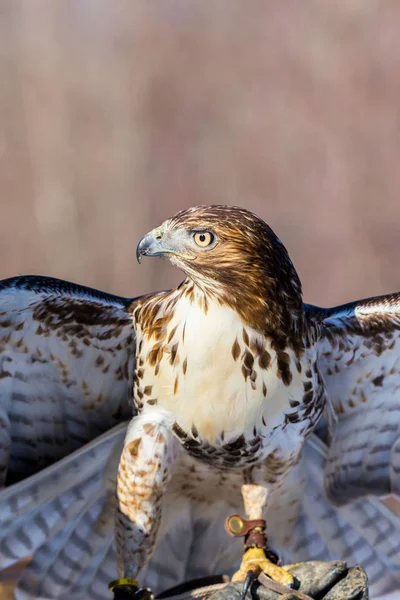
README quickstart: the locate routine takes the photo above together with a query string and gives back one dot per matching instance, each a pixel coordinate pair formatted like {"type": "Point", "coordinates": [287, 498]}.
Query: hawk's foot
{"type": "Point", "coordinates": [255, 559]}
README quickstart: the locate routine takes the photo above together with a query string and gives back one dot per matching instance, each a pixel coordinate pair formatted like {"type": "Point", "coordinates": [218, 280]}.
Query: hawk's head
{"type": "Point", "coordinates": [232, 255]}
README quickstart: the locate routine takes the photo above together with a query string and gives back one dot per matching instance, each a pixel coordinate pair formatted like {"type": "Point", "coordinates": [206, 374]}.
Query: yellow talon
{"type": "Point", "coordinates": [254, 559]}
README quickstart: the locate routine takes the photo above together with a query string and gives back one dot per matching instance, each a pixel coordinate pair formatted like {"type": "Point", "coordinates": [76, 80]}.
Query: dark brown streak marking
{"type": "Point", "coordinates": [378, 381]}
{"type": "Point", "coordinates": [235, 350]}
{"type": "Point", "coordinates": [155, 355]}
{"type": "Point", "coordinates": [283, 361]}
{"type": "Point", "coordinates": [248, 360]}
{"type": "Point", "coordinates": [308, 397]}
{"type": "Point", "coordinates": [174, 351]}
{"type": "Point", "coordinates": [171, 334]}
{"type": "Point", "coordinates": [292, 417]}
{"type": "Point", "coordinates": [264, 360]}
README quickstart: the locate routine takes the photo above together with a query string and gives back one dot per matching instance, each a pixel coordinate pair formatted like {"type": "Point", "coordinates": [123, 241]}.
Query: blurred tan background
{"type": "Point", "coordinates": [114, 114]}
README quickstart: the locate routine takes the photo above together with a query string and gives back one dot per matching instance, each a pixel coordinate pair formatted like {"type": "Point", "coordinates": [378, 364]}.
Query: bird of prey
{"type": "Point", "coordinates": [186, 401]}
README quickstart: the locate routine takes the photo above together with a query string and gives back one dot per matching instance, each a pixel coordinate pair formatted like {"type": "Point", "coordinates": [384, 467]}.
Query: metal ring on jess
{"type": "Point", "coordinates": [237, 526]}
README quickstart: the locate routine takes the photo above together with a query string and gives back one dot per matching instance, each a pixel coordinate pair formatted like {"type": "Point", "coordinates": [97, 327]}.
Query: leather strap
{"type": "Point", "coordinates": [253, 530]}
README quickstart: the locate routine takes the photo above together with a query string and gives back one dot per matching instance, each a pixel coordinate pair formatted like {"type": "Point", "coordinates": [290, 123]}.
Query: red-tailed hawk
{"type": "Point", "coordinates": [230, 374]}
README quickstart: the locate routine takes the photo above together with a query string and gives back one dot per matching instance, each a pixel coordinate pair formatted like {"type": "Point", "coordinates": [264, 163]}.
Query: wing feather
{"type": "Point", "coordinates": [358, 347]}
{"type": "Point", "coordinates": [36, 509]}
{"type": "Point", "coordinates": [67, 524]}
{"type": "Point", "coordinates": [66, 362]}
{"type": "Point", "coordinates": [364, 532]}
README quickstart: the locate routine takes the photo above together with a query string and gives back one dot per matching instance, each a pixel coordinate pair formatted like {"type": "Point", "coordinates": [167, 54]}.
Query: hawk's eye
{"type": "Point", "coordinates": [203, 238]}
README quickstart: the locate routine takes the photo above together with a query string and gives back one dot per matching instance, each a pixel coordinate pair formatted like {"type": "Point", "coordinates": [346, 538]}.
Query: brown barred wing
{"type": "Point", "coordinates": [66, 362]}
{"type": "Point", "coordinates": [359, 357]}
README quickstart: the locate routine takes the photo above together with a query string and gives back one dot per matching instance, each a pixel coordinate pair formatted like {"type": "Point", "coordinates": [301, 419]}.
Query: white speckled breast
{"type": "Point", "coordinates": [216, 376]}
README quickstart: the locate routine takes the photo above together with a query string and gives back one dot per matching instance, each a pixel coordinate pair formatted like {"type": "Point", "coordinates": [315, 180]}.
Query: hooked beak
{"type": "Point", "coordinates": [151, 244]}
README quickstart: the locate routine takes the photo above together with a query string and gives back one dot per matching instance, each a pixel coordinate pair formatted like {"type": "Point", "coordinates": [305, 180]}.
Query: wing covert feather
{"type": "Point", "coordinates": [66, 363]}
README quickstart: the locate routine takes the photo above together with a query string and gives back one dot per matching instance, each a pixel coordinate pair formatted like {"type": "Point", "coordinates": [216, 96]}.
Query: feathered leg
{"type": "Point", "coordinates": [144, 472]}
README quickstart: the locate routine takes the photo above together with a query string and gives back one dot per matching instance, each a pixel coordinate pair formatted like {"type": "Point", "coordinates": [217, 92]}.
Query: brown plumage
{"type": "Point", "coordinates": [252, 267]}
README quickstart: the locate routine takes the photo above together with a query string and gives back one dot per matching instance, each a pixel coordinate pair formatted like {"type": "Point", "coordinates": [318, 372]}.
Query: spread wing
{"type": "Point", "coordinates": [358, 347]}
{"type": "Point", "coordinates": [66, 360]}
